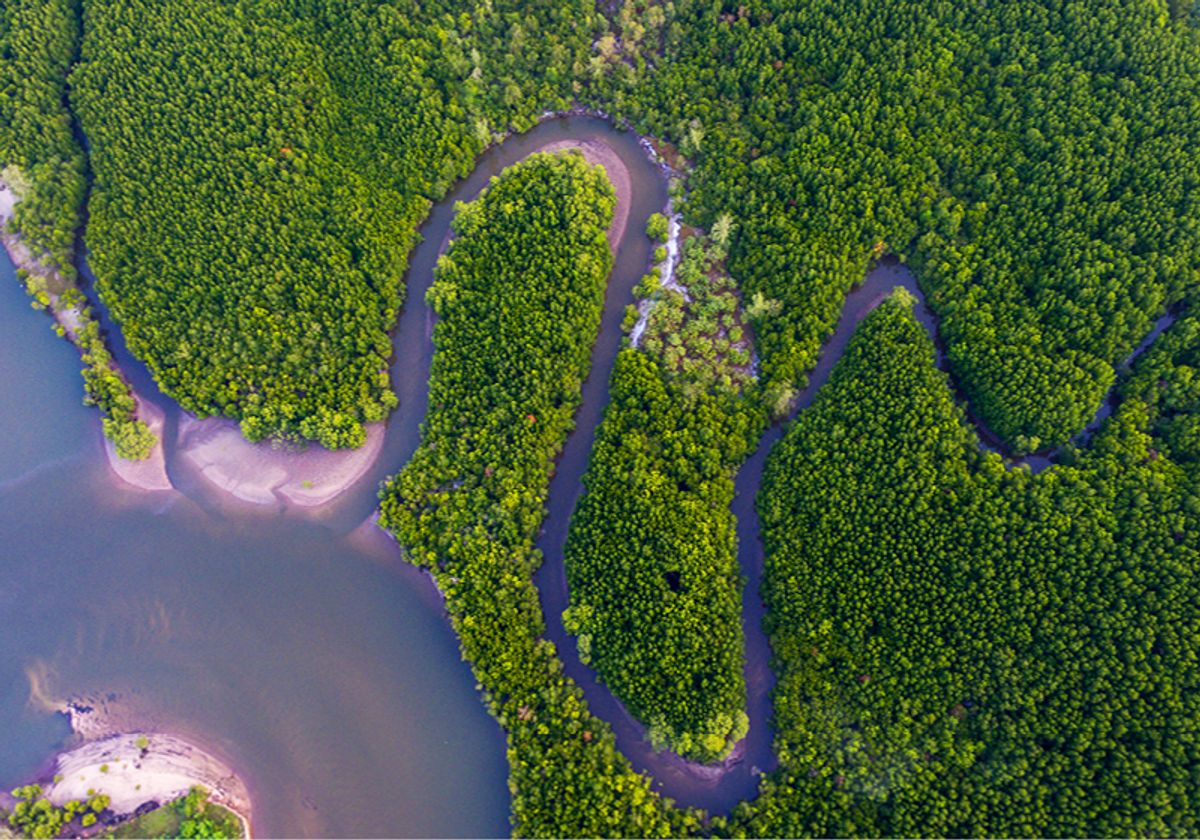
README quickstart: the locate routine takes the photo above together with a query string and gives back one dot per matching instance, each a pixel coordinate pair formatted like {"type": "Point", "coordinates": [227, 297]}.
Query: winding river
{"type": "Point", "coordinates": [295, 644]}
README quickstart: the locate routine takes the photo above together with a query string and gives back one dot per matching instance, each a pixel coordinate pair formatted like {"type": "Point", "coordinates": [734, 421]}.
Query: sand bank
{"type": "Point", "coordinates": [266, 474]}
{"type": "Point", "coordinates": [137, 768]}
{"type": "Point", "coordinates": [150, 474]}
{"type": "Point", "coordinates": [599, 152]}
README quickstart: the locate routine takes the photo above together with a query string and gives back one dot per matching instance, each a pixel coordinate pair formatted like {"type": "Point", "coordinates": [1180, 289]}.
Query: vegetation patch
{"type": "Point", "coordinates": [193, 815]}
{"type": "Point", "coordinates": [651, 558]}
{"type": "Point", "coordinates": [519, 298]}
{"type": "Point", "coordinates": [965, 649]}
{"type": "Point", "coordinates": [42, 169]}
{"type": "Point", "coordinates": [696, 326]}
{"type": "Point", "coordinates": [1166, 379]}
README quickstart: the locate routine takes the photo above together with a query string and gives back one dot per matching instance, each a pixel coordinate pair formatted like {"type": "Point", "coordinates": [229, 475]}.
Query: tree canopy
{"type": "Point", "coordinates": [518, 298]}
{"type": "Point", "coordinates": [965, 649]}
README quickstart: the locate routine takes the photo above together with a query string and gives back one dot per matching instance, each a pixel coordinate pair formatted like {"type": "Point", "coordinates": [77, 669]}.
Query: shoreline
{"type": "Point", "coordinates": [267, 474]}
{"type": "Point", "coordinates": [599, 153]}
{"type": "Point", "coordinates": [139, 768]}
{"type": "Point", "coordinates": [150, 474]}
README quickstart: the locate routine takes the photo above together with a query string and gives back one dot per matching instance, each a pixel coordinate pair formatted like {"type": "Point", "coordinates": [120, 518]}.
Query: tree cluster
{"type": "Point", "coordinates": [518, 298]}
{"type": "Point", "coordinates": [696, 326]}
{"type": "Point", "coordinates": [40, 159]}
{"type": "Point", "coordinates": [969, 650]}
{"type": "Point", "coordinates": [651, 559]}
{"type": "Point", "coordinates": [35, 816]}
{"type": "Point", "coordinates": [1166, 380]}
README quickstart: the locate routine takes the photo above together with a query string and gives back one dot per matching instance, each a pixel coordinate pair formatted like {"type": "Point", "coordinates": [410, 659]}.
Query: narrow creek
{"type": "Point", "coordinates": [273, 672]}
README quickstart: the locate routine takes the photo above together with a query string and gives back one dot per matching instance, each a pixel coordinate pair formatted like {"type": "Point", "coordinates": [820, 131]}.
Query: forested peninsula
{"type": "Point", "coordinates": [962, 646]}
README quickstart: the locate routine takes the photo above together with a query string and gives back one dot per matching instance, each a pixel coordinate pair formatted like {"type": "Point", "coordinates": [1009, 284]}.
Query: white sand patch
{"type": "Point", "coordinates": [263, 474]}
{"type": "Point", "coordinates": [8, 200]}
{"type": "Point", "coordinates": [138, 768]}
{"type": "Point", "coordinates": [150, 474]}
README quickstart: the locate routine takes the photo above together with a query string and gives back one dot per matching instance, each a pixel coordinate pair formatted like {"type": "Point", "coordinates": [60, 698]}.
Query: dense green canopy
{"type": "Point", "coordinates": [38, 153]}
{"type": "Point", "coordinates": [519, 298]}
{"type": "Point", "coordinates": [260, 170]}
{"type": "Point", "coordinates": [966, 650]}
{"type": "Point", "coordinates": [1035, 159]}
{"type": "Point", "coordinates": [652, 559]}
{"type": "Point", "coordinates": [962, 648]}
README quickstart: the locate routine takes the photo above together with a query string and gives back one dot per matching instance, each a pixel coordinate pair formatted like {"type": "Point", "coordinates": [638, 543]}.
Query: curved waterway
{"type": "Point", "coordinates": [295, 644]}
{"type": "Point", "coordinates": [325, 672]}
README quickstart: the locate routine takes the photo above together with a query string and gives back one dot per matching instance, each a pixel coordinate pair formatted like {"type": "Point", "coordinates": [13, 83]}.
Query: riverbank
{"type": "Point", "coordinates": [311, 477]}
{"type": "Point", "coordinates": [49, 290]}
{"type": "Point", "coordinates": [137, 769]}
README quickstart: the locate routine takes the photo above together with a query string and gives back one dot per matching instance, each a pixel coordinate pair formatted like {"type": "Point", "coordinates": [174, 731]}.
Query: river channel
{"type": "Point", "coordinates": [294, 644]}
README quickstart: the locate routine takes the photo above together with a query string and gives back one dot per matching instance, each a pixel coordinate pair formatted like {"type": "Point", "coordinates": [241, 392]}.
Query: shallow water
{"type": "Point", "coordinates": [309, 658]}
{"type": "Point", "coordinates": [325, 673]}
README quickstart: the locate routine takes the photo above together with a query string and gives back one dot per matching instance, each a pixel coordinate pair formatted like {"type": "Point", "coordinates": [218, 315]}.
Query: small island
{"type": "Point", "coordinates": [133, 785]}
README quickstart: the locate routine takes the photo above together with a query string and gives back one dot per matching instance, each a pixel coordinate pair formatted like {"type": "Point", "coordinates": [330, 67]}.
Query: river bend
{"type": "Point", "coordinates": [323, 671]}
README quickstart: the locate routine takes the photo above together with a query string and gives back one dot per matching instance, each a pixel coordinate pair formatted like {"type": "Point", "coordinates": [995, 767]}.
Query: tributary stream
{"type": "Point", "coordinates": [297, 645]}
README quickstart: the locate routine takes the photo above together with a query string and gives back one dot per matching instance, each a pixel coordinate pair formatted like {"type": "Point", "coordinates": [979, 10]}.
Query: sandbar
{"type": "Point", "coordinates": [264, 473]}
{"type": "Point", "coordinates": [151, 473]}
{"type": "Point", "coordinates": [137, 768]}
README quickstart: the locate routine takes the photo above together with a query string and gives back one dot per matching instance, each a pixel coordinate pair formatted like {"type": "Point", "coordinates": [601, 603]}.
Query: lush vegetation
{"type": "Point", "coordinates": [962, 649]}
{"type": "Point", "coordinates": [36, 816]}
{"type": "Point", "coordinates": [1167, 380]}
{"type": "Point", "coordinates": [652, 558]}
{"type": "Point", "coordinates": [192, 815]}
{"type": "Point", "coordinates": [970, 650]}
{"type": "Point", "coordinates": [42, 165]}
{"type": "Point", "coordinates": [519, 298]}
{"type": "Point", "coordinates": [696, 325]}
{"type": "Point", "coordinates": [39, 158]}
{"type": "Point", "coordinates": [1035, 159]}
{"type": "Point", "coordinates": [260, 170]}
{"type": "Point", "coordinates": [652, 555]}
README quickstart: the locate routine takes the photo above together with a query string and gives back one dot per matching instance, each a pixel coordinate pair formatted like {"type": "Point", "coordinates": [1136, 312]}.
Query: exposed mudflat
{"type": "Point", "coordinates": [150, 474]}
{"type": "Point", "coordinates": [265, 473]}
